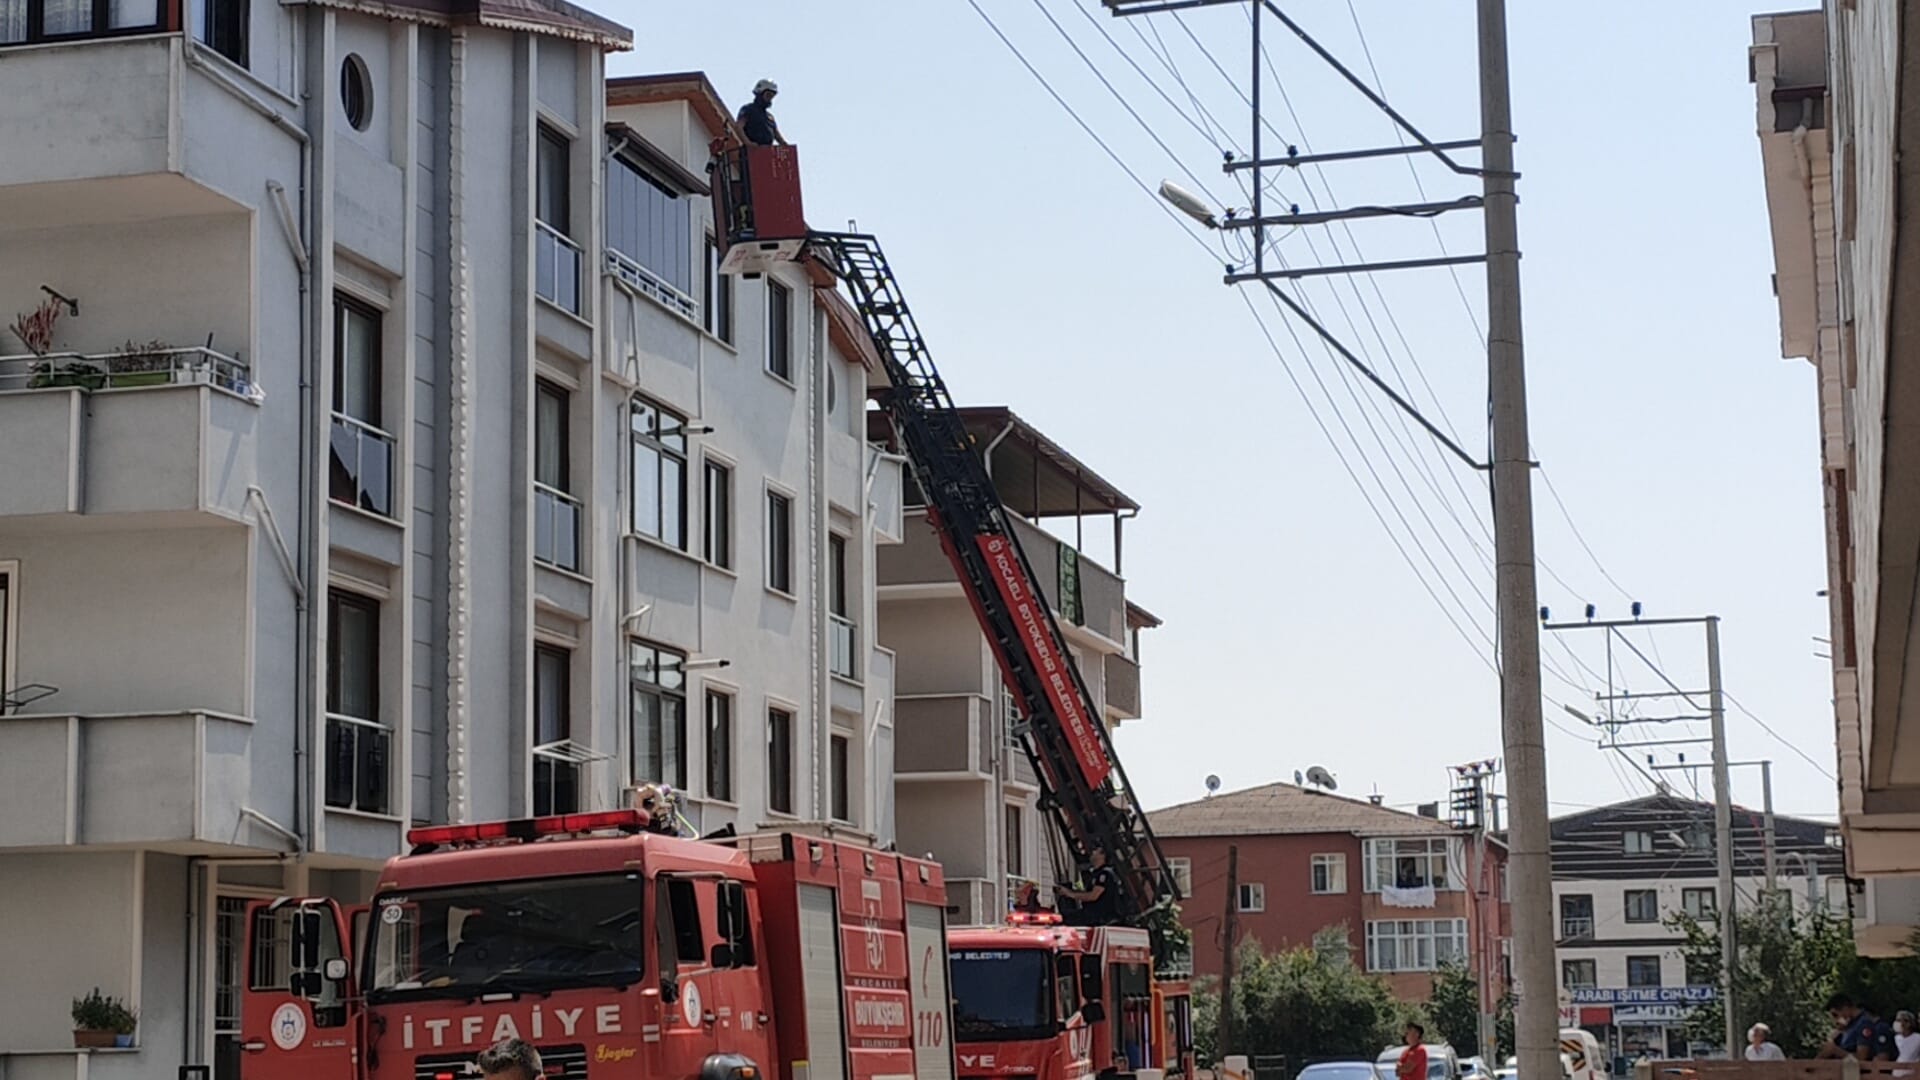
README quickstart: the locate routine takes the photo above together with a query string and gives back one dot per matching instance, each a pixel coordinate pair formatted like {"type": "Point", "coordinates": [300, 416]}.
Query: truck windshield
{"type": "Point", "coordinates": [504, 937]}
{"type": "Point", "coordinates": [1001, 995]}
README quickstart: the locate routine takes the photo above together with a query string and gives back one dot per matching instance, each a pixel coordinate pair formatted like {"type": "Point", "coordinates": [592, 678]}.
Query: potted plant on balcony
{"type": "Point", "coordinates": [76, 374]}
{"type": "Point", "coordinates": [135, 364]}
{"type": "Point", "coordinates": [35, 328]}
{"type": "Point", "coordinates": [100, 1021]}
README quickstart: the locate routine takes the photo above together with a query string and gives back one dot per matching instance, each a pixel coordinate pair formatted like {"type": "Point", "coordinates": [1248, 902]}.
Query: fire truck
{"type": "Point", "coordinates": [616, 952]}
{"type": "Point", "coordinates": [1036, 998]}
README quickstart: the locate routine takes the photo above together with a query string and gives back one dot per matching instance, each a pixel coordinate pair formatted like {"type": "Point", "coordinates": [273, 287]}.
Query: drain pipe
{"type": "Point", "coordinates": [986, 456]}
{"type": "Point", "coordinates": [459, 435]}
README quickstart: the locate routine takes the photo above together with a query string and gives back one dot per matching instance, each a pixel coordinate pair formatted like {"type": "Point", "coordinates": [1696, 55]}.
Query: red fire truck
{"type": "Point", "coordinates": [1026, 998]}
{"type": "Point", "coordinates": [617, 952]}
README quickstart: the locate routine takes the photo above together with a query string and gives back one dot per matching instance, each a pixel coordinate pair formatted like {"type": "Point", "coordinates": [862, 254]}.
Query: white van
{"type": "Point", "coordinates": [1582, 1056]}
{"type": "Point", "coordinates": [1442, 1063]}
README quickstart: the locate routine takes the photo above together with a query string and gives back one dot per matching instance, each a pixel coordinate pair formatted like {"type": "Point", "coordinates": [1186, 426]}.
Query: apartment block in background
{"type": "Point", "coordinates": [1397, 894]}
{"type": "Point", "coordinates": [966, 792]}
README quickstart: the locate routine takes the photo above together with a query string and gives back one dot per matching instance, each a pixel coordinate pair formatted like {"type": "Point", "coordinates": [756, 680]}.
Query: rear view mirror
{"type": "Point", "coordinates": [307, 928]}
{"type": "Point", "coordinates": [335, 970]}
{"type": "Point", "coordinates": [722, 956]}
{"type": "Point", "coordinates": [1093, 1012]}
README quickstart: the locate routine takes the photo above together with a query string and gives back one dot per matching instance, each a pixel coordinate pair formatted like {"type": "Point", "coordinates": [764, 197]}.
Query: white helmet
{"type": "Point", "coordinates": [765, 86]}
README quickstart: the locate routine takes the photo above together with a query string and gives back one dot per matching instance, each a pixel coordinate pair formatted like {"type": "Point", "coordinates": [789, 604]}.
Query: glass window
{"type": "Point", "coordinates": [550, 452]}
{"type": "Point", "coordinates": [779, 542]}
{"type": "Point", "coordinates": [1329, 873]}
{"type": "Point", "coordinates": [223, 26]}
{"type": "Point", "coordinates": [1001, 994]}
{"type": "Point", "coordinates": [1182, 870]}
{"type": "Point", "coordinates": [1253, 896]}
{"type": "Point", "coordinates": [1415, 944]}
{"type": "Point", "coordinates": [719, 746]}
{"type": "Point", "coordinates": [735, 923]}
{"type": "Point", "coordinates": [716, 307]}
{"type": "Point", "coordinates": [659, 446]}
{"type": "Point", "coordinates": [1016, 842]}
{"type": "Point", "coordinates": [658, 680]}
{"type": "Point", "coordinates": [6, 630]}
{"type": "Point", "coordinates": [1579, 974]}
{"type": "Point", "coordinates": [1412, 864]}
{"type": "Point", "coordinates": [556, 781]}
{"type": "Point", "coordinates": [553, 197]}
{"type": "Point", "coordinates": [358, 743]}
{"type": "Point", "coordinates": [1643, 971]}
{"type": "Point", "coordinates": [837, 574]}
{"type": "Point", "coordinates": [1636, 842]}
{"type": "Point", "coordinates": [780, 760]}
{"type": "Point", "coordinates": [717, 542]}
{"type": "Point", "coordinates": [1643, 906]}
{"type": "Point", "coordinates": [1698, 903]}
{"type": "Point", "coordinates": [650, 229]}
{"type": "Point", "coordinates": [1576, 916]}
{"type": "Point", "coordinates": [839, 778]}
{"type": "Point", "coordinates": [556, 514]}
{"type": "Point", "coordinates": [780, 330]}
{"type": "Point", "coordinates": [356, 361]}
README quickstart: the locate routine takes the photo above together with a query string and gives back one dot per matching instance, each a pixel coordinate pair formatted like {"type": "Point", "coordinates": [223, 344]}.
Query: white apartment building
{"type": "Point", "coordinates": [967, 793]}
{"type": "Point", "coordinates": [1621, 871]}
{"type": "Point", "coordinates": [360, 482]}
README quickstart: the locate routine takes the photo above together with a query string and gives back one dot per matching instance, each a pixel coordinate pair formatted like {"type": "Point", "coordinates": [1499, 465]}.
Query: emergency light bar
{"type": "Point", "coordinates": [527, 828]}
{"type": "Point", "coordinates": [1034, 918]}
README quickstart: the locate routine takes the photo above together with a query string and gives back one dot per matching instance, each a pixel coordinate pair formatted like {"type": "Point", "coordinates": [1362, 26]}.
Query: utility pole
{"type": "Point", "coordinates": [1537, 1024]}
{"type": "Point", "coordinates": [1723, 829]}
{"type": "Point", "coordinates": [1772, 843]}
{"type": "Point", "coordinates": [1469, 813]}
{"type": "Point", "coordinates": [1224, 1041]}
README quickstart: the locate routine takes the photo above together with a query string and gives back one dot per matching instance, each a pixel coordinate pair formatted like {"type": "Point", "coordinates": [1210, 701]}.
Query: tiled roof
{"type": "Point", "coordinates": [558, 18]}
{"type": "Point", "coordinates": [1280, 809]}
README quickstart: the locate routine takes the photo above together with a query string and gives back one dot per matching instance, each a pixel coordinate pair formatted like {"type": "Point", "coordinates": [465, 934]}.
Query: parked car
{"type": "Point", "coordinates": [1442, 1062]}
{"type": "Point", "coordinates": [1475, 1068]}
{"type": "Point", "coordinates": [1341, 1070]}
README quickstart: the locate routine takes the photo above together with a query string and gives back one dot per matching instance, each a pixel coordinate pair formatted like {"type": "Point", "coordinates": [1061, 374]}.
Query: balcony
{"type": "Point", "coordinates": [843, 640]}
{"type": "Point", "coordinates": [1123, 687]}
{"type": "Point", "coordinates": [126, 432]}
{"type": "Point", "coordinates": [947, 734]}
{"type": "Point", "coordinates": [359, 764]}
{"type": "Point", "coordinates": [123, 779]}
{"type": "Point", "coordinates": [556, 528]}
{"type": "Point", "coordinates": [629, 270]}
{"type": "Point", "coordinates": [556, 268]}
{"type": "Point", "coordinates": [361, 469]}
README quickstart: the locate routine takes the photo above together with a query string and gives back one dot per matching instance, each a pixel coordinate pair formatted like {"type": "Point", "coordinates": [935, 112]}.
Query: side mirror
{"type": "Point", "coordinates": [307, 928]}
{"type": "Point", "coordinates": [722, 956]}
{"type": "Point", "coordinates": [335, 970]}
{"type": "Point", "coordinates": [1093, 1012]}
{"type": "Point", "coordinates": [669, 989]}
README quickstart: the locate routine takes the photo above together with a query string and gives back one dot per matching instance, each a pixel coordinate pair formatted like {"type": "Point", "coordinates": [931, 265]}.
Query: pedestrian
{"type": "Point", "coordinates": [1858, 1033]}
{"type": "Point", "coordinates": [1413, 1060]}
{"type": "Point", "coordinates": [1118, 1067]}
{"type": "Point", "coordinates": [756, 116]}
{"type": "Point", "coordinates": [1100, 899]}
{"type": "Point", "coordinates": [1906, 1040]}
{"type": "Point", "coordinates": [510, 1059]}
{"type": "Point", "coordinates": [1760, 1045]}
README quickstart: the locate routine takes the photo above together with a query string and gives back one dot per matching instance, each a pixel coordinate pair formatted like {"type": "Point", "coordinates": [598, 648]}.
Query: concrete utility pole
{"type": "Point", "coordinates": [1537, 1023]}
{"type": "Point", "coordinates": [1723, 830]}
{"type": "Point", "coordinates": [1772, 843]}
{"type": "Point", "coordinates": [1224, 1042]}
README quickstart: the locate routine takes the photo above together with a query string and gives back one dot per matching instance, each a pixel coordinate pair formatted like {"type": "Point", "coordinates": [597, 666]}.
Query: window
{"type": "Point", "coordinates": [54, 20]}
{"type": "Point", "coordinates": [1643, 971]}
{"type": "Point", "coordinates": [838, 778]}
{"type": "Point", "coordinates": [1636, 842]}
{"type": "Point", "coordinates": [1411, 864]}
{"type": "Point", "coordinates": [780, 330]}
{"type": "Point", "coordinates": [735, 923]}
{"type": "Point", "coordinates": [717, 541]}
{"type": "Point", "coordinates": [1579, 974]}
{"type": "Point", "coordinates": [224, 28]}
{"type": "Point", "coordinates": [1415, 944]}
{"type": "Point", "coordinates": [7, 571]}
{"type": "Point", "coordinates": [556, 780]}
{"type": "Point", "coordinates": [1016, 842]}
{"type": "Point", "coordinates": [1182, 870]}
{"type": "Point", "coordinates": [779, 542]}
{"type": "Point", "coordinates": [1643, 906]}
{"type": "Point", "coordinates": [358, 744]}
{"type": "Point", "coordinates": [716, 307]}
{"type": "Point", "coordinates": [1698, 903]}
{"type": "Point", "coordinates": [556, 263]}
{"type": "Point", "coordinates": [356, 91]}
{"type": "Point", "coordinates": [361, 469]}
{"type": "Point", "coordinates": [843, 638]}
{"type": "Point", "coordinates": [650, 235]}
{"type": "Point", "coordinates": [556, 513]}
{"type": "Point", "coordinates": [1253, 896]}
{"type": "Point", "coordinates": [1329, 873]}
{"type": "Point", "coordinates": [1576, 917]}
{"type": "Point", "coordinates": [719, 746]}
{"type": "Point", "coordinates": [658, 680]}
{"type": "Point", "coordinates": [683, 900]}
{"type": "Point", "coordinates": [659, 446]}
{"type": "Point", "coordinates": [1698, 837]}
{"type": "Point", "coordinates": [780, 760]}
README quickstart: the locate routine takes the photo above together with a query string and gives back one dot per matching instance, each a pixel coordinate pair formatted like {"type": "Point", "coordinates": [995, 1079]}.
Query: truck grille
{"type": "Point", "coordinates": [562, 1063]}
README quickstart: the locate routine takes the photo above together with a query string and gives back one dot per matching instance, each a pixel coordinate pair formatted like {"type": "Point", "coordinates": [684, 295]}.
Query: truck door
{"type": "Point", "coordinates": [744, 1011]}
{"type": "Point", "coordinates": [297, 1016]}
{"type": "Point", "coordinates": [689, 998]}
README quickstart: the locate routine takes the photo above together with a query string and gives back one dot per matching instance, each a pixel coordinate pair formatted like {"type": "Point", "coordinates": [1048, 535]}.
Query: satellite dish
{"type": "Point", "coordinates": [1321, 778]}
{"type": "Point", "coordinates": [1299, 778]}
{"type": "Point", "coordinates": [1213, 783]}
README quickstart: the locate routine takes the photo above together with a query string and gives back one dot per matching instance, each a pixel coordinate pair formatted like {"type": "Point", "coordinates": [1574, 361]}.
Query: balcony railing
{"type": "Point", "coordinates": [1576, 927]}
{"type": "Point", "coordinates": [362, 470]}
{"type": "Point", "coordinates": [359, 764]}
{"type": "Point", "coordinates": [556, 268]}
{"type": "Point", "coordinates": [620, 265]}
{"type": "Point", "coordinates": [126, 369]}
{"type": "Point", "coordinates": [556, 527]}
{"type": "Point", "coordinates": [22, 23]}
{"type": "Point", "coordinates": [843, 637]}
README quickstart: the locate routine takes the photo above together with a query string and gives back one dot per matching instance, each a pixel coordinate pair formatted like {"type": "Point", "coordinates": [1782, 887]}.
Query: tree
{"type": "Point", "coordinates": [1455, 1008]}
{"type": "Point", "coordinates": [1788, 965]}
{"type": "Point", "coordinates": [1309, 1002]}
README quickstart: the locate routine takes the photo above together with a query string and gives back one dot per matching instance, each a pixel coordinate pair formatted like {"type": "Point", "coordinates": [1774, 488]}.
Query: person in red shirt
{"type": "Point", "coordinates": [1413, 1060]}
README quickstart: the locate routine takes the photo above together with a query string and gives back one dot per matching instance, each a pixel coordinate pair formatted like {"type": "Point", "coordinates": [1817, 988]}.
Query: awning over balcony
{"type": "Point", "coordinates": [1036, 477]}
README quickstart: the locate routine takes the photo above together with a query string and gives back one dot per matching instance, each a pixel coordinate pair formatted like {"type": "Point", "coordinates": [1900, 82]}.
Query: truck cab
{"type": "Point", "coordinates": [614, 952]}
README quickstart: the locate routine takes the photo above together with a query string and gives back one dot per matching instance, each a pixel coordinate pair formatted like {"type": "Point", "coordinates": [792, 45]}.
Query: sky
{"type": "Point", "coordinates": [1322, 567]}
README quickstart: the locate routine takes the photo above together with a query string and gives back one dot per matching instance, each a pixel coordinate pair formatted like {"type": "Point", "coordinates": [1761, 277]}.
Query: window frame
{"type": "Point", "coordinates": [659, 441]}
{"type": "Point", "coordinates": [723, 770]}
{"type": "Point", "coordinates": [9, 624]}
{"type": "Point", "coordinates": [718, 297]}
{"type": "Point", "coordinates": [548, 138]}
{"type": "Point", "coordinates": [716, 520]}
{"type": "Point", "coordinates": [1636, 842]}
{"type": "Point", "coordinates": [1592, 967]}
{"type": "Point", "coordinates": [840, 777]}
{"type": "Point", "coordinates": [344, 306]}
{"type": "Point", "coordinates": [1382, 854]}
{"type": "Point", "coordinates": [1569, 900]}
{"type": "Point", "coordinates": [1400, 936]}
{"type": "Point", "coordinates": [667, 693]}
{"type": "Point", "coordinates": [240, 28]}
{"type": "Point", "coordinates": [1014, 837]}
{"type": "Point", "coordinates": [555, 769]}
{"type": "Point", "coordinates": [1659, 972]}
{"type": "Point", "coordinates": [1335, 865]}
{"type": "Point", "coordinates": [778, 361]}
{"type": "Point", "coordinates": [361, 799]}
{"type": "Point", "coordinates": [1251, 897]}
{"type": "Point", "coordinates": [780, 724]}
{"type": "Point", "coordinates": [1627, 906]}
{"type": "Point", "coordinates": [1690, 902]}
{"type": "Point", "coordinates": [777, 510]}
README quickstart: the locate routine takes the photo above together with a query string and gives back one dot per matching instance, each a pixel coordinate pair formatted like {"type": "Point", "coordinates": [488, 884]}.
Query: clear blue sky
{"type": "Point", "coordinates": [1296, 634]}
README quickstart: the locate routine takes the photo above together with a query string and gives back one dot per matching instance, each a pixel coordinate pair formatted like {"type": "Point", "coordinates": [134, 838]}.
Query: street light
{"type": "Point", "coordinates": [1189, 204]}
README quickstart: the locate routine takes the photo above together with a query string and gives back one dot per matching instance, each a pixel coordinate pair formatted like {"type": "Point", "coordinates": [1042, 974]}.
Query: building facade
{"type": "Point", "coordinates": [1837, 106]}
{"type": "Point", "coordinates": [1400, 895]}
{"type": "Point", "coordinates": [1621, 872]}
{"type": "Point", "coordinates": [966, 792]}
{"type": "Point", "coordinates": [381, 448]}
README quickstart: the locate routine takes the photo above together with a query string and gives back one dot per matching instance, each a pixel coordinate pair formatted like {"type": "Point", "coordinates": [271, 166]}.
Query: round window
{"type": "Point", "coordinates": [356, 91]}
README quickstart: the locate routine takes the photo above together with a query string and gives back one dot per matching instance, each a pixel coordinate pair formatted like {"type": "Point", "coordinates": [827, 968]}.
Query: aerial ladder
{"type": "Point", "coordinates": [757, 209]}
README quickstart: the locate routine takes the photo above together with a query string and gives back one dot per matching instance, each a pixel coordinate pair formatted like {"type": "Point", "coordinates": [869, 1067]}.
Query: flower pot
{"type": "Point", "coordinates": [123, 1042]}
{"type": "Point", "coordinates": [93, 1040]}
{"type": "Point", "coordinates": [125, 379]}
{"type": "Point", "coordinates": [65, 379]}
